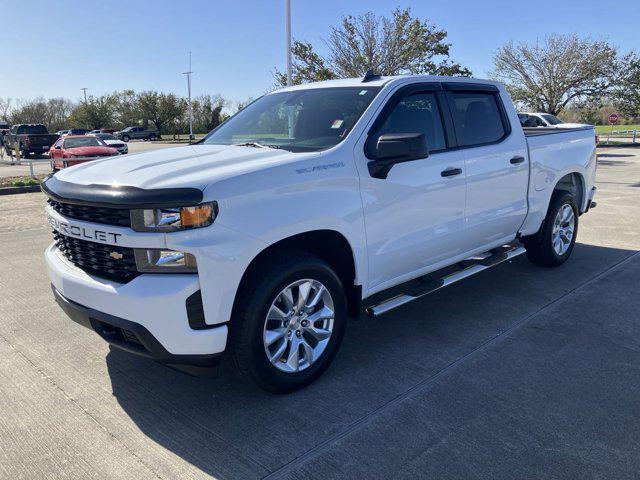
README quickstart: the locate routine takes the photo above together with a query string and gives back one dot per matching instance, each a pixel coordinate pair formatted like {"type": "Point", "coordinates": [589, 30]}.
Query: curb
{"type": "Point", "coordinates": [14, 190]}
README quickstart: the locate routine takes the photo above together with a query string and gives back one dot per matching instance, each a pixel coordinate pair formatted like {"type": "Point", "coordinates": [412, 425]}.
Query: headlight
{"type": "Point", "coordinates": [164, 261]}
{"type": "Point", "coordinates": [172, 219]}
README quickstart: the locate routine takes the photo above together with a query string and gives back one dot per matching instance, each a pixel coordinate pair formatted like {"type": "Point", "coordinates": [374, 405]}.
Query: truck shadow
{"type": "Point", "coordinates": [229, 429]}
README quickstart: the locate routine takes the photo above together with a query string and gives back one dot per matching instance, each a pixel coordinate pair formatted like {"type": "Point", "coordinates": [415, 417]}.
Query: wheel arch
{"type": "Point", "coordinates": [330, 245]}
{"type": "Point", "coordinates": [573, 183]}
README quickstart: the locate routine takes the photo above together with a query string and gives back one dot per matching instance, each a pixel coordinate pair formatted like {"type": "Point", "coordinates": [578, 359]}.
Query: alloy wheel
{"type": "Point", "coordinates": [298, 325]}
{"type": "Point", "coordinates": [563, 229]}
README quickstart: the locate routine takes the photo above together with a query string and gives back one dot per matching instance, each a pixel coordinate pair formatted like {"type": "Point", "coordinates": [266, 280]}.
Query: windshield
{"type": "Point", "coordinates": [551, 119]}
{"type": "Point", "coordinates": [298, 121]}
{"type": "Point", "coordinates": [82, 142]}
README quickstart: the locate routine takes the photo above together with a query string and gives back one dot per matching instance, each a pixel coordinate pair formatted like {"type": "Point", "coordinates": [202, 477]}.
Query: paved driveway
{"type": "Point", "coordinates": [520, 372]}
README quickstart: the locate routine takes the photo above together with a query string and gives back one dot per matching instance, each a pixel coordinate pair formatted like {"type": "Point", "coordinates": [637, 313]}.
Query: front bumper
{"type": "Point", "coordinates": [129, 336]}
{"type": "Point", "coordinates": [151, 306]}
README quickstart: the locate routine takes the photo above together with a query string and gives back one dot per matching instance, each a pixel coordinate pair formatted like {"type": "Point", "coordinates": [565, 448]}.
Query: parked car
{"type": "Point", "coordinates": [62, 132]}
{"type": "Point", "coordinates": [530, 121]}
{"type": "Point", "coordinates": [375, 193]}
{"type": "Point", "coordinates": [133, 133]}
{"type": "Point", "coordinates": [541, 119]}
{"type": "Point", "coordinates": [29, 139]}
{"type": "Point", "coordinates": [113, 142]}
{"type": "Point", "coordinates": [103, 130]}
{"type": "Point", "coordinates": [78, 131]}
{"type": "Point", "coordinates": [75, 149]}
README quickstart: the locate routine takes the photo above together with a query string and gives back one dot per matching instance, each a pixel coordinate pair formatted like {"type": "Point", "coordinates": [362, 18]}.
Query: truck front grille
{"type": "Point", "coordinates": [98, 259]}
{"type": "Point", "coordinates": [108, 216]}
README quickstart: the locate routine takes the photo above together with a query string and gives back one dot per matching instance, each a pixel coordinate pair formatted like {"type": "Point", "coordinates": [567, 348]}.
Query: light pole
{"type": "Point", "coordinates": [188, 74]}
{"type": "Point", "coordinates": [84, 89]}
{"type": "Point", "coordinates": [288, 34]}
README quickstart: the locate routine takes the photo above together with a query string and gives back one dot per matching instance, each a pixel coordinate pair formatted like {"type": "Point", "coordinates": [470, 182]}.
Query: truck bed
{"type": "Point", "coordinates": [537, 131]}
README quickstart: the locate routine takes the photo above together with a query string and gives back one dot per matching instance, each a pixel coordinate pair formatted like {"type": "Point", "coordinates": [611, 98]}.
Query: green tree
{"type": "Point", "coordinates": [163, 109]}
{"type": "Point", "coordinates": [127, 110]}
{"type": "Point", "coordinates": [95, 112]}
{"type": "Point", "coordinates": [550, 74]}
{"type": "Point", "coordinates": [207, 112]}
{"type": "Point", "coordinates": [627, 92]}
{"type": "Point", "coordinates": [400, 44]}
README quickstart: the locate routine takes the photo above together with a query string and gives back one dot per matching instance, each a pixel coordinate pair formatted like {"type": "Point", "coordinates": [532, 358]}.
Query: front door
{"type": "Point", "coordinates": [414, 218]}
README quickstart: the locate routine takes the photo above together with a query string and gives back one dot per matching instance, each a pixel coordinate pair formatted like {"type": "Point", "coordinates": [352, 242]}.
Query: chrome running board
{"type": "Point", "coordinates": [476, 265]}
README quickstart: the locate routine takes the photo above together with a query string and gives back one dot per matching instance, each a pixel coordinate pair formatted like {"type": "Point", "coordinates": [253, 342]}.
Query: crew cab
{"type": "Point", "coordinates": [314, 204]}
{"type": "Point", "coordinates": [28, 139]}
{"type": "Point", "coordinates": [139, 133]}
{"type": "Point", "coordinates": [72, 150]}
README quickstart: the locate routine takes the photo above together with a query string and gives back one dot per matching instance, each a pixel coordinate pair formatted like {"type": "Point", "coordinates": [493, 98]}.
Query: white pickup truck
{"type": "Point", "coordinates": [311, 205]}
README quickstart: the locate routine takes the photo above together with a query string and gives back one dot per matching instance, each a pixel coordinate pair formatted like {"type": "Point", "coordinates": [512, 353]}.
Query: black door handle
{"type": "Point", "coordinates": [451, 172]}
{"type": "Point", "coordinates": [516, 160]}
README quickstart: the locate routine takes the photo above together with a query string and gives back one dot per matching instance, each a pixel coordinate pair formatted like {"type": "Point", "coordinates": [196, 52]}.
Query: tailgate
{"type": "Point", "coordinates": [41, 141]}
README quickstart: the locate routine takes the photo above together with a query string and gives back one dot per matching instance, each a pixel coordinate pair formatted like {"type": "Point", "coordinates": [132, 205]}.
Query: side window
{"type": "Point", "coordinates": [476, 117]}
{"type": "Point", "coordinates": [418, 113]}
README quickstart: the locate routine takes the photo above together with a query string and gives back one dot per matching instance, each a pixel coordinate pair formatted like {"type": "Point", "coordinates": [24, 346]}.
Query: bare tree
{"type": "Point", "coordinates": [550, 74]}
{"type": "Point", "coordinates": [5, 108]}
{"type": "Point", "coordinates": [387, 45]}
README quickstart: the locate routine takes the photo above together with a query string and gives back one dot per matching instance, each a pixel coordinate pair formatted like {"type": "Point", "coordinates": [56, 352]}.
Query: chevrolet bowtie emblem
{"type": "Point", "coordinates": [116, 256]}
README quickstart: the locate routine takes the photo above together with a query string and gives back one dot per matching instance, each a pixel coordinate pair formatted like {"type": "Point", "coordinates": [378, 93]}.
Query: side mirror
{"type": "Point", "coordinates": [392, 148]}
{"type": "Point", "coordinates": [58, 147]}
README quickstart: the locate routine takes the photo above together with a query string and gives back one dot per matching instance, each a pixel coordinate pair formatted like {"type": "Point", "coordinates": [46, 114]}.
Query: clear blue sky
{"type": "Point", "coordinates": [61, 46]}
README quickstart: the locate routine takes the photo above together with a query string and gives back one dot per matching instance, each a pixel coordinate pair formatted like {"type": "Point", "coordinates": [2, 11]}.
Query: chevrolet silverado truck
{"type": "Point", "coordinates": [312, 205]}
{"type": "Point", "coordinates": [29, 139]}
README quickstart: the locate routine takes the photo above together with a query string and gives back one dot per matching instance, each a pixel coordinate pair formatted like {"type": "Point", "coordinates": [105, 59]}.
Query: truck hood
{"type": "Point", "coordinates": [193, 166]}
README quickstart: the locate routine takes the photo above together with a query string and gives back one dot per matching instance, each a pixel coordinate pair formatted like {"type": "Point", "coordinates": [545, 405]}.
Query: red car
{"type": "Point", "coordinates": [76, 149]}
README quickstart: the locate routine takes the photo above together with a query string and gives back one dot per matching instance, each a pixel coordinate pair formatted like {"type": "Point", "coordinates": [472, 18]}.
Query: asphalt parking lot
{"type": "Point", "coordinates": [520, 372]}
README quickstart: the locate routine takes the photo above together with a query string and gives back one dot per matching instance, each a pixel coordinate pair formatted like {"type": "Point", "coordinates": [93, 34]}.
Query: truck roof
{"type": "Point", "coordinates": [381, 81]}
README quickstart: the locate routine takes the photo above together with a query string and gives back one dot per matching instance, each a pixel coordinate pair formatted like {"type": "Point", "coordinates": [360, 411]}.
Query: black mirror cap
{"type": "Point", "coordinates": [401, 146]}
{"type": "Point", "coordinates": [392, 148]}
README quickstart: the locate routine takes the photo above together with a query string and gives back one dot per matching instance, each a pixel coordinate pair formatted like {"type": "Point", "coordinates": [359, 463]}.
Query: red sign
{"type": "Point", "coordinates": [613, 119]}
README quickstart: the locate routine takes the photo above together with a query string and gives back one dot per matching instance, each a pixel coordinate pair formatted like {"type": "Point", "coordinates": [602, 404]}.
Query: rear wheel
{"type": "Point", "coordinates": [553, 244]}
{"type": "Point", "coordinates": [289, 322]}
{"type": "Point", "coordinates": [152, 137]}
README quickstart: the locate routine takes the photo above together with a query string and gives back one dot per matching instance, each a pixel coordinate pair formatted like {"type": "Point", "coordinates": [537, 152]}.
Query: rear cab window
{"type": "Point", "coordinates": [32, 129]}
{"type": "Point", "coordinates": [478, 118]}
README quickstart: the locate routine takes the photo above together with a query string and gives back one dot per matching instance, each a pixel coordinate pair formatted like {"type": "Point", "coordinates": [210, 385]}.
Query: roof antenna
{"type": "Point", "coordinates": [369, 76]}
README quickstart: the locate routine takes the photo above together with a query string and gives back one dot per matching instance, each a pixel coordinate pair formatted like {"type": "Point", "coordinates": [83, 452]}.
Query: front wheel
{"type": "Point", "coordinates": [553, 244]}
{"type": "Point", "coordinates": [289, 321]}
{"type": "Point", "coordinates": [125, 138]}
{"type": "Point", "coordinates": [152, 137]}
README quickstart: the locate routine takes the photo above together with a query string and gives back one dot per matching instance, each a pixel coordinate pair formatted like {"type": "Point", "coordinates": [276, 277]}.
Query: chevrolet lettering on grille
{"type": "Point", "coordinates": [69, 229]}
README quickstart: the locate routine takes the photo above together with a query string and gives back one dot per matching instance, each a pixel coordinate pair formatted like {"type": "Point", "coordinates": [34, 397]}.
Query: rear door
{"type": "Point", "coordinates": [414, 218]}
{"type": "Point", "coordinates": [496, 164]}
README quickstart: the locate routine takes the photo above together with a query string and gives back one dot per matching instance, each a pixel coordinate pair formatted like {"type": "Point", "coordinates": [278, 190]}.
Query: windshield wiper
{"type": "Point", "coordinates": [255, 144]}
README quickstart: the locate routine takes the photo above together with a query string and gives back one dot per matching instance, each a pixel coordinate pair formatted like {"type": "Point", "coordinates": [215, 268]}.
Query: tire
{"type": "Point", "coordinates": [255, 319]}
{"type": "Point", "coordinates": [125, 138]}
{"type": "Point", "coordinates": [554, 242]}
{"type": "Point", "coordinates": [152, 137]}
